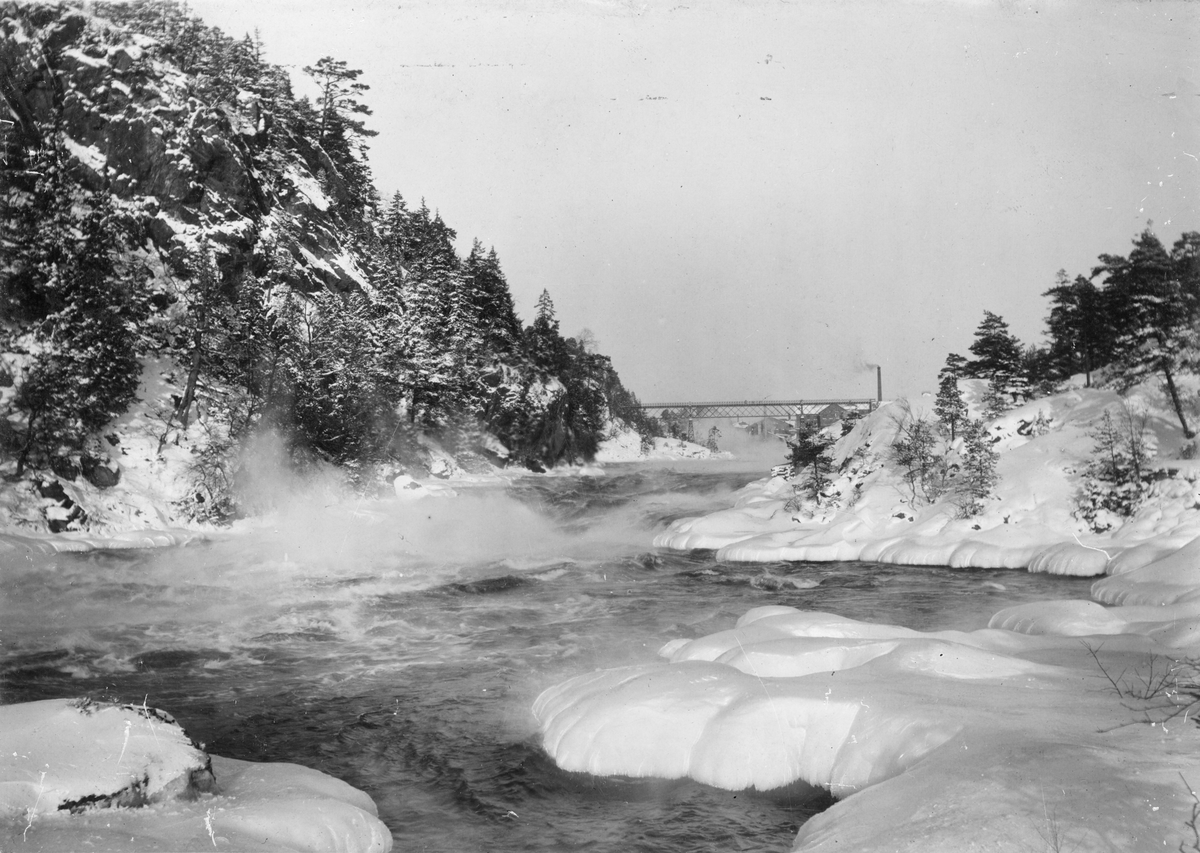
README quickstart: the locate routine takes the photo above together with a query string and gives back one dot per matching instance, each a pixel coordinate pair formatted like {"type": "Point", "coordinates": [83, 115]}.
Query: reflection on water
{"type": "Point", "coordinates": [400, 647]}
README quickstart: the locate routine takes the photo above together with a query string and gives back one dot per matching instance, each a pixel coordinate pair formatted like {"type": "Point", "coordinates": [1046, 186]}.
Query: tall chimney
{"type": "Point", "coordinates": [878, 384]}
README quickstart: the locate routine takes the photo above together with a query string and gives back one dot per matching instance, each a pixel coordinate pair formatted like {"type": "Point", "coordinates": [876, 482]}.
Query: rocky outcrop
{"type": "Point", "coordinates": [132, 126]}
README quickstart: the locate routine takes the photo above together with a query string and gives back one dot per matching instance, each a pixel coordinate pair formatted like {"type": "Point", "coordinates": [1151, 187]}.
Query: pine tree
{"type": "Point", "coordinates": [1153, 297]}
{"type": "Point", "coordinates": [810, 449]}
{"type": "Point", "coordinates": [1114, 482]}
{"type": "Point", "coordinates": [340, 132]}
{"type": "Point", "coordinates": [1081, 337]}
{"type": "Point", "coordinates": [955, 366]}
{"type": "Point", "coordinates": [997, 351]}
{"type": "Point", "coordinates": [949, 406]}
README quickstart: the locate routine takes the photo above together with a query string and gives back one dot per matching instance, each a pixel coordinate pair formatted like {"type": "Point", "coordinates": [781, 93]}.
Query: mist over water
{"type": "Point", "coordinates": [399, 646]}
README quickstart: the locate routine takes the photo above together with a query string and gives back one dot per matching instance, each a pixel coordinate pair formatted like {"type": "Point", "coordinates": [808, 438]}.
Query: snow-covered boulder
{"type": "Point", "coordinates": [61, 755]}
{"type": "Point", "coordinates": [944, 741]}
{"type": "Point", "coordinates": [81, 775]}
{"type": "Point", "coordinates": [408, 488]}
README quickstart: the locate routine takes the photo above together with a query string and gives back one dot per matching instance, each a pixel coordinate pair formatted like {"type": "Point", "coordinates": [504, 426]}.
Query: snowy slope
{"type": "Point", "coordinates": [1031, 522]}
{"type": "Point", "coordinates": [1059, 725]}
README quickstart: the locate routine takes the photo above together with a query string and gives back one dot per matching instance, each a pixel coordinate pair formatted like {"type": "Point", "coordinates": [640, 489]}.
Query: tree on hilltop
{"type": "Point", "coordinates": [340, 99]}
{"type": "Point", "coordinates": [492, 300]}
{"type": "Point", "coordinates": [341, 133]}
{"type": "Point", "coordinates": [997, 351]}
{"type": "Point", "coordinates": [1081, 336]}
{"type": "Point", "coordinates": [949, 407]}
{"type": "Point", "coordinates": [1153, 297]}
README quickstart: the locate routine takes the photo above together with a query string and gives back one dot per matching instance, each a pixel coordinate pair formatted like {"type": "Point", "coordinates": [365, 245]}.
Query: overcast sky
{"type": "Point", "coordinates": [756, 199]}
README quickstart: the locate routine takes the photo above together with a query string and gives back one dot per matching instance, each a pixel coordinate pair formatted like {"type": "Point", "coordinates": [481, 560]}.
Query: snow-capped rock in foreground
{"type": "Point", "coordinates": [1061, 725]}
{"type": "Point", "coordinates": [78, 775]}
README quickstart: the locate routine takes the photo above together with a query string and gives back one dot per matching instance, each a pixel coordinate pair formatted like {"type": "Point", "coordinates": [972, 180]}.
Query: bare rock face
{"type": "Point", "coordinates": [72, 755]}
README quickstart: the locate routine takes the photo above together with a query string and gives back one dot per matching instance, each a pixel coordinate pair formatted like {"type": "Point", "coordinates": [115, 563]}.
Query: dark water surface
{"type": "Point", "coordinates": [400, 646]}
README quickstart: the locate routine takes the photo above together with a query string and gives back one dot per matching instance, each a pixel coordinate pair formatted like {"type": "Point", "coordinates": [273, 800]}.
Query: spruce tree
{"type": "Point", "coordinates": [977, 476]}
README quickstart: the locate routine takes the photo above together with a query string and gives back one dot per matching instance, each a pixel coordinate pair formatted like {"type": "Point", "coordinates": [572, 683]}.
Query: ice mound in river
{"type": "Point", "coordinates": [78, 775]}
{"type": "Point", "coordinates": [991, 738]}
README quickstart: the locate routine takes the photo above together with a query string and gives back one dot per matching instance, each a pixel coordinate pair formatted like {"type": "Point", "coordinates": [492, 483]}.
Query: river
{"type": "Point", "coordinates": [399, 646]}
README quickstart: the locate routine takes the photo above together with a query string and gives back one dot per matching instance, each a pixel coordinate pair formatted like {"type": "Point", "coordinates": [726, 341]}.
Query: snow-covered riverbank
{"type": "Point", "coordinates": [1044, 448]}
{"type": "Point", "coordinates": [1058, 725]}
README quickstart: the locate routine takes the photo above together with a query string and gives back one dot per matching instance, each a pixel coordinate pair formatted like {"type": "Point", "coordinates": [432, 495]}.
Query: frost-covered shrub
{"type": "Point", "coordinates": [1116, 479]}
{"type": "Point", "coordinates": [996, 400]}
{"type": "Point", "coordinates": [915, 450]}
{"type": "Point", "coordinates": [713, 435]}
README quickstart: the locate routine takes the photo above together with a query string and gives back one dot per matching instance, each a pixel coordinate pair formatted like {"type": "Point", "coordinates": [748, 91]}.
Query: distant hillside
{"type": "Point", "coordinates": [192, 258]}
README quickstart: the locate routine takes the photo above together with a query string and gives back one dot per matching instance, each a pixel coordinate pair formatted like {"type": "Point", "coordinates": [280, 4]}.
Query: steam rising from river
{"type": "Point", "coordinates": [322, 566]}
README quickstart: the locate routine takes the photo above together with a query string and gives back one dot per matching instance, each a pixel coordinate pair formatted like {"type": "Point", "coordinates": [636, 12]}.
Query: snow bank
{"type": "Point", "coordinates": [947, 741]}
{"type": "Point", "coordinates": [625, 445]}
{"type": "Point", "coordinates": [869, 512]}
{"type": "Point", "coordinates": [1040, 731]}
{"type": "Point", "coordinates": [11, 543]}
{"type": "Point", "coordinates": [78, 775]}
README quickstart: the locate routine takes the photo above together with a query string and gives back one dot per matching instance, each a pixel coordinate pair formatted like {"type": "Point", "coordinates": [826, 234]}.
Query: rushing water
{"type": "Point", "coordinates": [399, 646]}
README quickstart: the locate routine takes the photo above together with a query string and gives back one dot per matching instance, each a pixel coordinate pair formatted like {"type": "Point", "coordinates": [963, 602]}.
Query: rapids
{"type": "Point", "coordinates": [399, 646]}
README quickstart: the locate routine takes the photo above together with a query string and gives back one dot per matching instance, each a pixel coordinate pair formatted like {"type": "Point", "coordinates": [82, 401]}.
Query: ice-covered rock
{"type": "Point", "coordinates": [948, 741]}
{"type": "Point", "coordinates": [409, 489]}
{"type": "Point", "coordinates": [60, 755]}
{"type": "Point", "coordinates": [81, 775]}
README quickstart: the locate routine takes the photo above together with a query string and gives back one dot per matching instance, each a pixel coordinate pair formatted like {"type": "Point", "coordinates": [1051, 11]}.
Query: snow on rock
{"type": "Point", "coordinates": [409, 489]}
{"type": "Point", "coordinates": [62, 755]}
{"type": "Point", "coordinates": [942, 741]}
{"type": "Point", "coordinates": [78, 775]}
{"type": "Point", "coordinates": [723, 727]}
{"type": "Point", "coordinates": [68, 542]}
{"type": "Point", "coordinates": [625, 445]}
{"type": "Point", "coordinates": [1170, 580]}
{"type": "Point", "coordinates": [769, 703]}
{"type": "Point", "coordinates": [622, 445]}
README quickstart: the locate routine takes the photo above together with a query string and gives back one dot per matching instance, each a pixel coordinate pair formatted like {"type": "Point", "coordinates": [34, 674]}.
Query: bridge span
{"type": "Point", "coordinates": [796, 413]}
{"type": "Point", "coordinates": [783, 409]}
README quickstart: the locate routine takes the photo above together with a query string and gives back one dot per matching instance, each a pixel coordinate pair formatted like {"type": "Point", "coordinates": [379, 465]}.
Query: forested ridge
{"type": "Point", "coordinates": [167, 199]}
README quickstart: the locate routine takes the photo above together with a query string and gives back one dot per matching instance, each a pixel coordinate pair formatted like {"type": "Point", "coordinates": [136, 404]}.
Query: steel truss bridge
{"type": "Point", "coordinates": [782, 409]}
